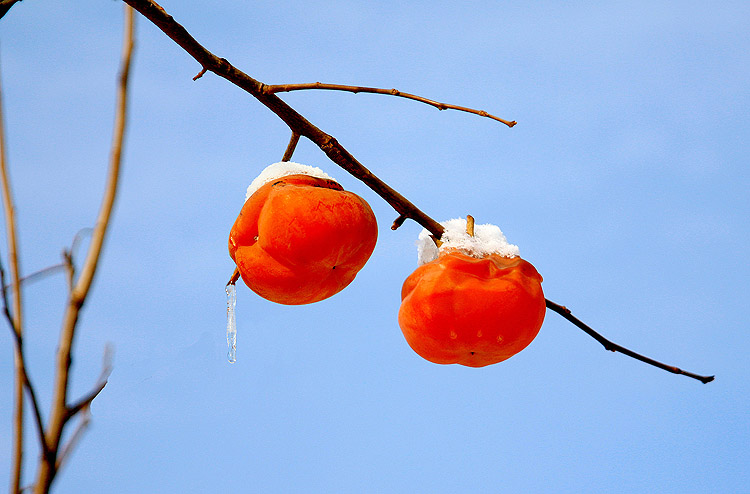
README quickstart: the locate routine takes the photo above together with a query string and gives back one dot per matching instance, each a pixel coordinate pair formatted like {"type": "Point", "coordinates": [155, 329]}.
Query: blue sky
{"type": "Point", "coordinates": [624, 183]}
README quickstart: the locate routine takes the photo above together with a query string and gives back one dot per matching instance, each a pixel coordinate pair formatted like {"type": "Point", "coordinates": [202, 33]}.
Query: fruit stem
{"type": "Point", "coordinates": [235, 277]}
{"type": "Point", "coordinates": [291, 146]}
{"type": "Point", "coordinates": [470, 225]}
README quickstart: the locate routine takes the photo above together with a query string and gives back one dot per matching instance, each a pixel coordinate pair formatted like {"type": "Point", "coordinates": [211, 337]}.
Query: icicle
{"type": "Point", "coordinates": [231, 323]}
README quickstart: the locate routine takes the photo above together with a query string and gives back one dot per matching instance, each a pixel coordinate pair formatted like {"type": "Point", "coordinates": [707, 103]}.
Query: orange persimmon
{"type": "Point", "coordinates": [469, 310]}
{"type": "Point", "coordinates": [301, 239]}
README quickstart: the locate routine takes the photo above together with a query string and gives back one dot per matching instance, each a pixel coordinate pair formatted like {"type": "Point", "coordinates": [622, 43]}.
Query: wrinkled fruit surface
{"type": "Point", "coordinates": [301, 239]}
{"type": "Point", "coordinates": [474, 312]}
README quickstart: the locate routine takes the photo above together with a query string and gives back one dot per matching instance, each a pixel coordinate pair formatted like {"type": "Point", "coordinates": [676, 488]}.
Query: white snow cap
{"type": "Point", "coordinates": [282, 169]}
{"type": "Point", "coordinates": [487, 239]}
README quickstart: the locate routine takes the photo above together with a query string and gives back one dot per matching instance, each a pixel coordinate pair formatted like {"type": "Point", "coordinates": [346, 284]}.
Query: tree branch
{"type": "Point", "coordinates": [285, 88]}
{"type": "Point", "coordinates": [5, 6]}
{"type": "Point", "coordinates": [16, 319]}
{"type": "Point", "coordinates": [86, 400]}
{"type": "Point", "coordinates": [49, 270]}
{"type": "Point", "coordinates": [75, 438]}
{"type": "Point", "coordinates": [83, 406]}
{"type": "Point", "coordinates": [68, 256]}
{"type": "Point", "coordinates": [613, 347]}
{"type": "Point", "coordinates": [327, 143]}
{"type": "Point", "coordinates": [59, 414]}
{"type": "Point", "coordinates": [25, 380]}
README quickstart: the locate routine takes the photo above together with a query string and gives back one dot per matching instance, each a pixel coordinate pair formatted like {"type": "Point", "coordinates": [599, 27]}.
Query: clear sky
{"type": "Point", "coordinates": [625, 183]}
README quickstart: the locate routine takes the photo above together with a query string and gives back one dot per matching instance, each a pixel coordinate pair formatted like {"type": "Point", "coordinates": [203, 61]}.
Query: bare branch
{"type": "Point", "coordinates": [285, 88]}
{"type": "Point", "coordinates": [6, 310]}
{"type": "Point", "coordinates": [16, 319]}
{"type": "Point", "coordinates": [83, 407]}
{"type": "Point", "coordinates": [42, 273]}
{"type": "Point", "coordinates": [291, 147]}
{"type": "Point", "coordinates": [10, 226]}
{"type": "Point", "coordinates": [327, 143]}
{"type": "Point", "coordinates": [5, 6]}
{"type": "Point", "coordinates": [75, 438]}
{"type": "Point", "coordinates": [68, 256]}
{"type": "Point", "coordinates": [59, 414]}
{"type": "Point", "coordinates": [70, 268]}
{"type": "Point", "coordinates": [613, 347]}
{"type": "Point", "coordinates": [21, 369]}
{"type": "Point", "coordinates": [86, 400]}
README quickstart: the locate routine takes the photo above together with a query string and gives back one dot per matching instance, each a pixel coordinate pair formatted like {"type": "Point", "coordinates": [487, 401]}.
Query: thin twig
{"type": "Point", "coordinates": [49, 270]}
{"type": "Point", "coordinates": [78, 237]}
{"type": "Point", "coordinates": [70, 268]}
{"type": "Point", "coordinates": [398, 222]}
{"type": "Point", "coordinates": [199, 74]}
{"type": "Point", "coordinates": [17, 319]}
{"type": "Point", "coordinates": [6, 309]}
{"type": "Point", "coordinates": [68, 256]}
{"type": "Point", "coordinates": [83, 406]}
{"type": "Point", "coordinates": [23, 373]}
{"type": "Point", "coordinates": [285, 88]}
{"type": "Point", "coordinates": [613, 347]}
{"type": "Point", "coordinates": [101, 382]}
{"type": "Point", "coordinates": [59, 414]}
{"type": "Point", "coordinates": [291, 147]}
{"type": "Point", "coordinates": [75, 438]}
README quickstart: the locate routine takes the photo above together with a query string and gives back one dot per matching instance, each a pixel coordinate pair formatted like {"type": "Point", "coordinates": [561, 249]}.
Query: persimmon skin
{"type": "Point", "coordinates": [301, 239]}
{"type": "Point", "coordinates": [471, 311]}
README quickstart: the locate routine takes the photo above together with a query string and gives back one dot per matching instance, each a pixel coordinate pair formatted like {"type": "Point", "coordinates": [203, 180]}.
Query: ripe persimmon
{"type": "Point", "coordinates": [300, 237]}
{"type": "Point", "coordinates": [471, 305]}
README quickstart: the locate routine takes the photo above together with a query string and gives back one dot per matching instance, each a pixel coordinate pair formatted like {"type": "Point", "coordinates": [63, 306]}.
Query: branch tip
{"type": "Point", "coordinates": [399, 221]}
{"type": "Point", "coordinates": [614, 347]}
{"type": "Point", "coordinates": [200, 74]}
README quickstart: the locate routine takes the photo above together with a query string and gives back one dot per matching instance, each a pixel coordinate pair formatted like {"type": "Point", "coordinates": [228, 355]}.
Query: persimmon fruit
{"type": "Point", "coordinates": [300, 239]}
{"type": "Point", "coordinates": [469, 309]}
